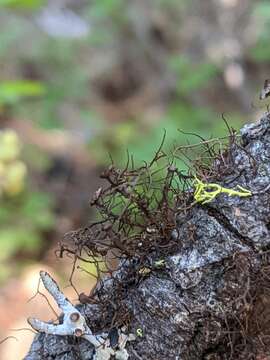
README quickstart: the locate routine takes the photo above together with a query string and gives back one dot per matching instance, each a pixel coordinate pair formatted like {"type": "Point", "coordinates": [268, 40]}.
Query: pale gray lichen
{"type": "Point", "coordinates": [74, 324]}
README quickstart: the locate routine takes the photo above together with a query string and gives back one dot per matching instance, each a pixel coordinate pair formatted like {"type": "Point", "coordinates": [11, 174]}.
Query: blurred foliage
{"type": "Point", "coordinates": [107, 8]}
{"type": "Point", "coordinates": [12, 170]}
{"type": "Point", "coordinates": [23, 221]}
{"type": "Point", "coordinates": [10, 146]}
{"type": "Point", "coordinates": [24, 214]}
{"type": "Point", "coordinates": [22, 4]}
{"type": "Point", "coordinates": [54, 85]}
{"type": "Point", "coordinates": [261, 52]}
{"type": "Point", "coordinates": [192, 77]}
{"type": "Point", "coordinates": [12, 91]}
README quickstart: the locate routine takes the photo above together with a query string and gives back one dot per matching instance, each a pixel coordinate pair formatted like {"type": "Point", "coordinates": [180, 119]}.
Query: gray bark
{"type": "Point", "coordinates": [204, 303]}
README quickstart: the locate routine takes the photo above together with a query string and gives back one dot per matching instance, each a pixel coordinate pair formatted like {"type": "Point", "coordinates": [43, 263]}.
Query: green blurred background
{"type": "Point", "coordinates": [82, 79]}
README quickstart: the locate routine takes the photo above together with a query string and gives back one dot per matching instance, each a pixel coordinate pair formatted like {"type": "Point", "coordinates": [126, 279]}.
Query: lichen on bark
{"type": "Point", "coordinates": [209, 299]}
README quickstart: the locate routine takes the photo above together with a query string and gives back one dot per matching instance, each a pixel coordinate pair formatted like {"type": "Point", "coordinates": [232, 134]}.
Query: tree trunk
{"type": "Point", "coordinates": [211, 298]}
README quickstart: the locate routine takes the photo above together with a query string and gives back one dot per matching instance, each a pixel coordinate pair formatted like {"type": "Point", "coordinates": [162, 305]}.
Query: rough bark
{"type": "Point", "coordinates": [210, 300]}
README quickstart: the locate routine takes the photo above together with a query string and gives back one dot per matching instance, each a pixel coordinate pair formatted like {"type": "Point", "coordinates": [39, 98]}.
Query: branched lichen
{"type": "Point", "coordinates": [74, 324]}
{"type": "Point", "coordinates": [206, 192]}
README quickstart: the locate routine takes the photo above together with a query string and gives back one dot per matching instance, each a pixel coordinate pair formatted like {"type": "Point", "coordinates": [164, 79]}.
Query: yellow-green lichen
{"type": "Point", "coordinates": [206, 192]}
